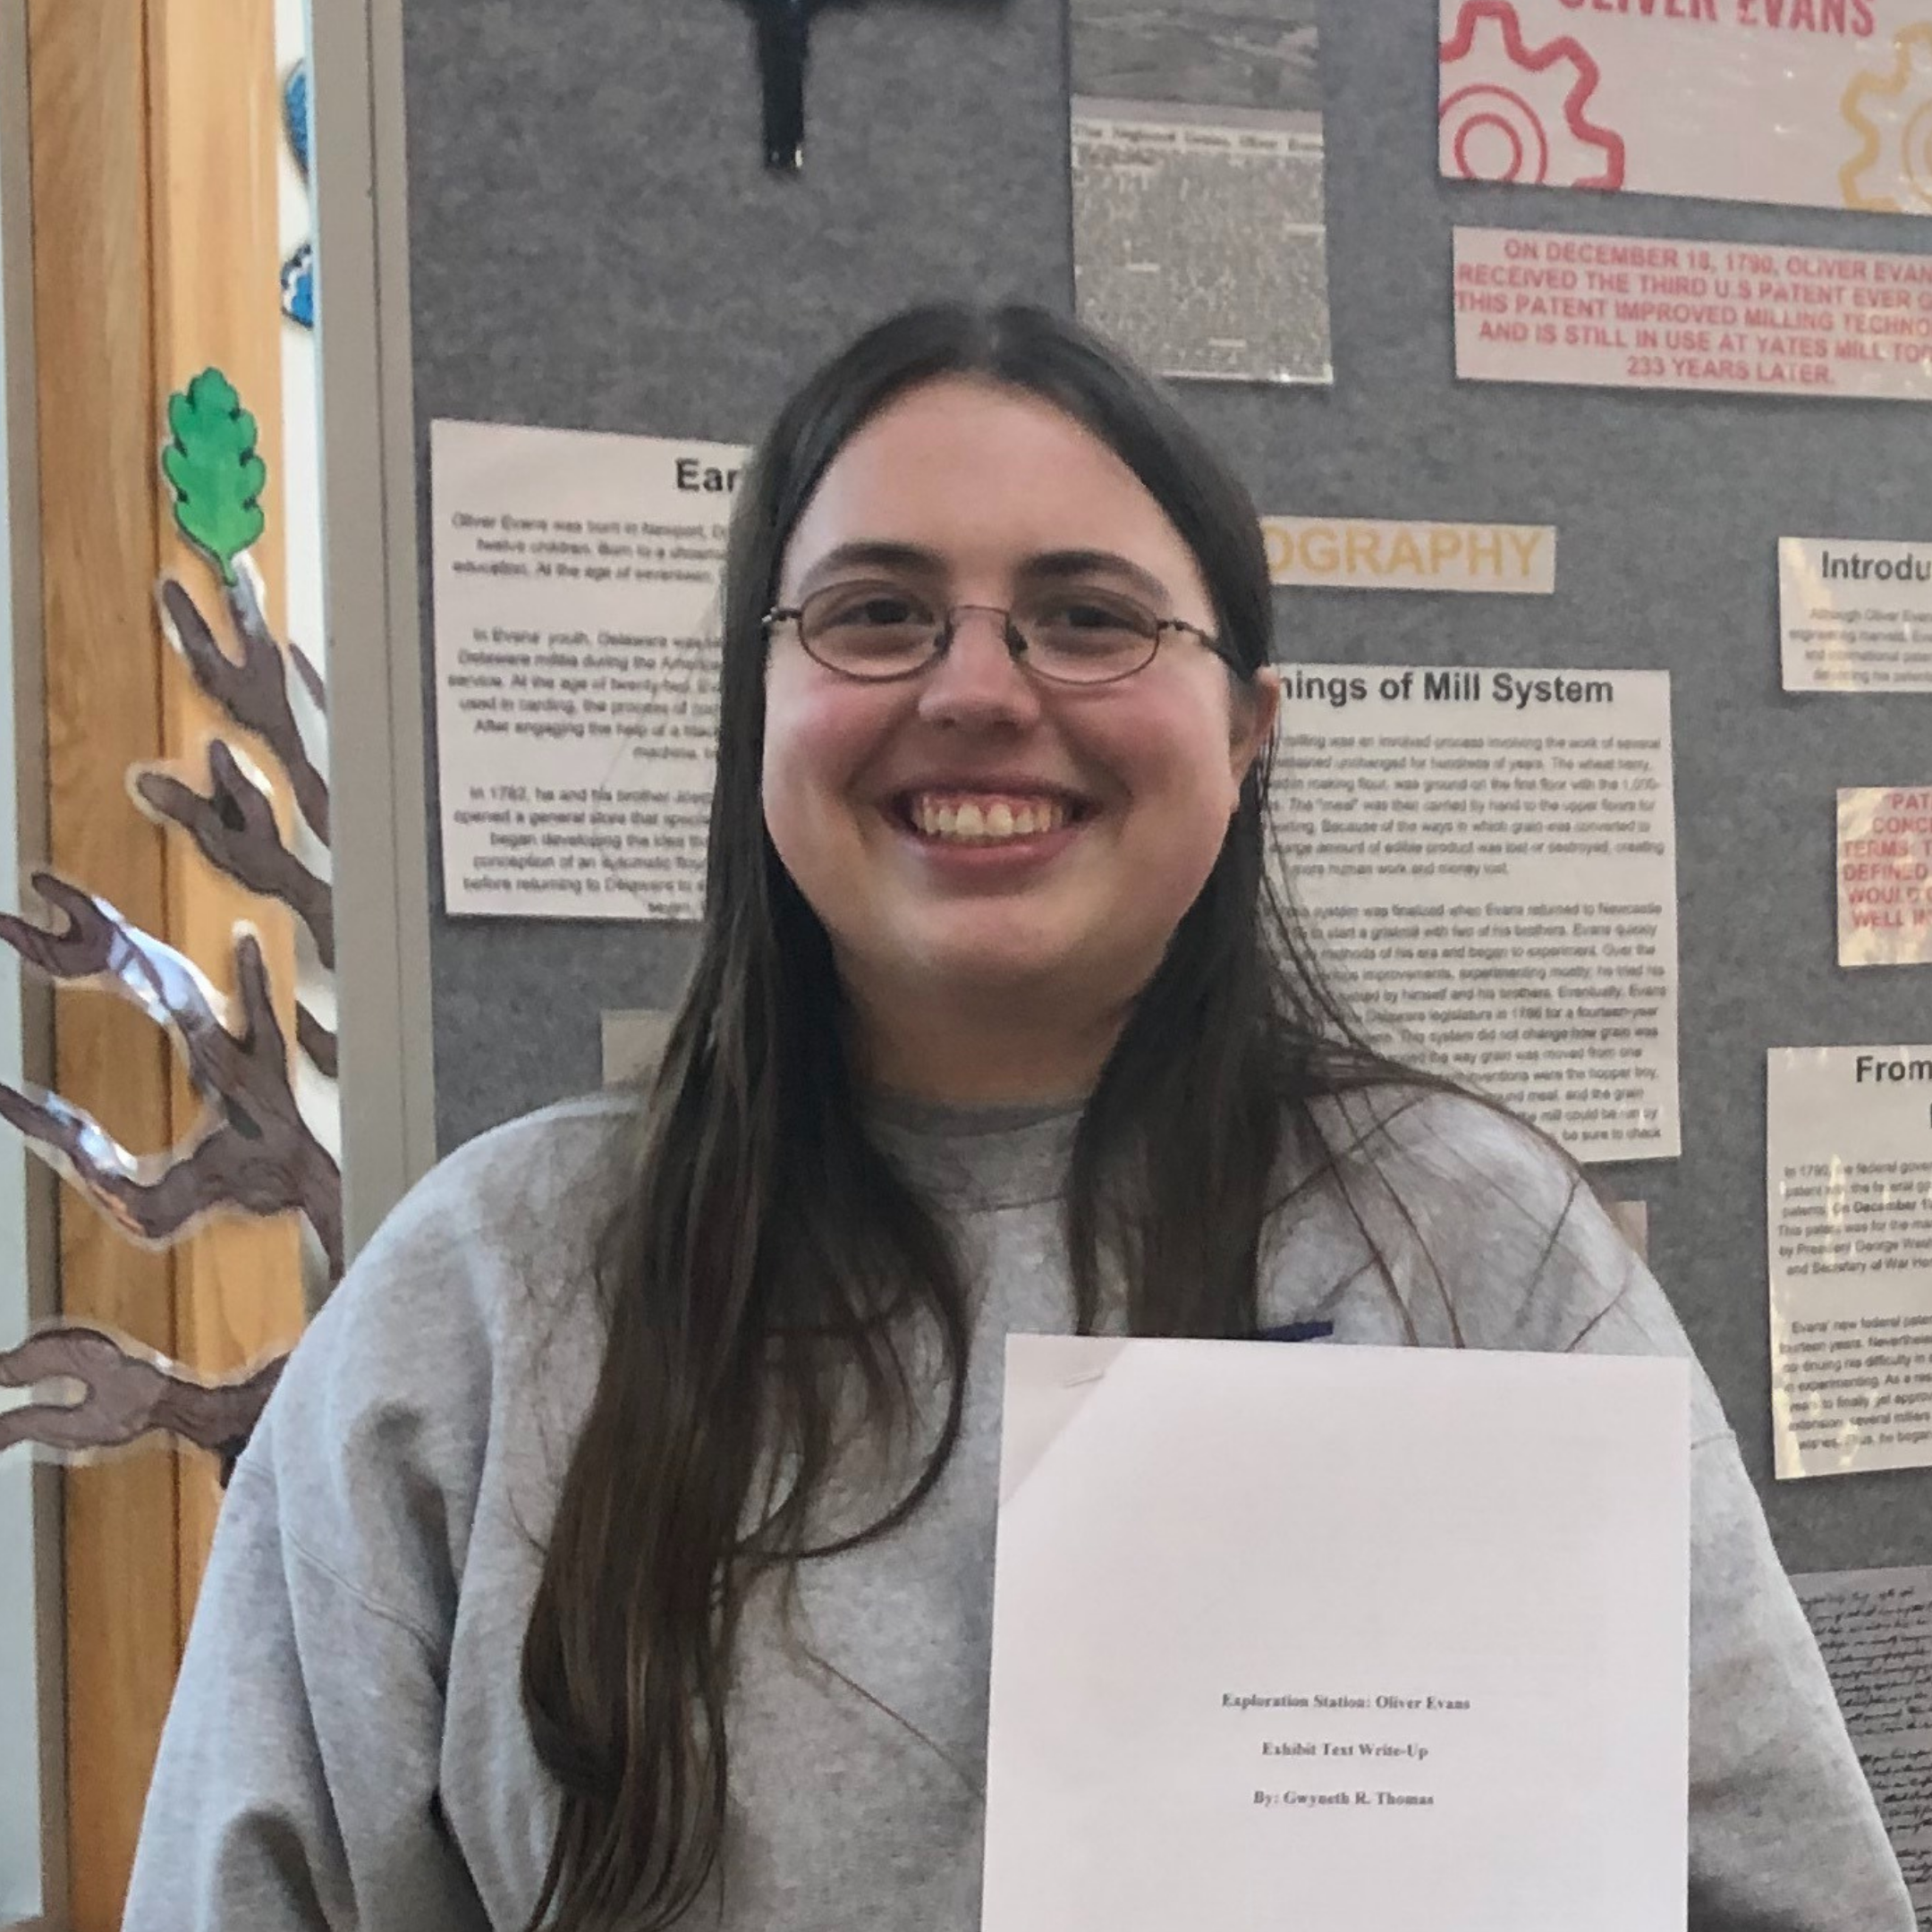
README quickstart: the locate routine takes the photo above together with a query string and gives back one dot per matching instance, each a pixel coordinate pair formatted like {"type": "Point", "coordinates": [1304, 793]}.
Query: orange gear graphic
{"type": "Point", "coordinates": [1513, 113]}
{"type": "Point", "coordinates": [1892, 115]}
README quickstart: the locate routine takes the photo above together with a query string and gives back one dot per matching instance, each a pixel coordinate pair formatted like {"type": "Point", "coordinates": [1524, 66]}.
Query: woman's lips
{"type": "Point", "coordinates": [991, 836]}
{"type": "Point", "coordinates": [986, 817]}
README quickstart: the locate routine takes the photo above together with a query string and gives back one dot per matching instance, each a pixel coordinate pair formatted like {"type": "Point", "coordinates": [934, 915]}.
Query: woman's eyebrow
{"type": "Point", "coordinates": [872, 554]}
{"type": "Point", "coordinates": [1049, 566]}
{"type": "Point", "coordinates": [1054, 565]}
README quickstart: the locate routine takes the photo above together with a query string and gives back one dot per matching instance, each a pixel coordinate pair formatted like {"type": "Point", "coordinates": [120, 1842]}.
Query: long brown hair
{"type": "Point", "coordinates": [770, 1262]}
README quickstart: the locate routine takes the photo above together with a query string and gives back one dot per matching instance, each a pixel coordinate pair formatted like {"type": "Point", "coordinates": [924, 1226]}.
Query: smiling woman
{"type": "Point", "coordinates": [617, 1548]}
{"type": "Point", "coordinates": [1001, 824]}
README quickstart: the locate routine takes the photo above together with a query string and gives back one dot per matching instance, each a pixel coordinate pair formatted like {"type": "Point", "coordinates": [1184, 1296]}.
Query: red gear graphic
{"type": "Point", "coordinates": [1533, 98]}
{"type": "Point", "coordinates": [1892, 115]}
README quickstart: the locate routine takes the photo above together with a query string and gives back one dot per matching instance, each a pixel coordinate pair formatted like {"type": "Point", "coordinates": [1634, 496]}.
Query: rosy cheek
{"type": "Point", "coordinates": [818, 738]}
{"type": "Point", "coordinates": [1172, 745]}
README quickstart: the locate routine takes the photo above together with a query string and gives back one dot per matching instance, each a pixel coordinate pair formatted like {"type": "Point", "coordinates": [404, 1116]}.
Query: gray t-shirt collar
{"type": "Point", "coordinates": [975, 1157]}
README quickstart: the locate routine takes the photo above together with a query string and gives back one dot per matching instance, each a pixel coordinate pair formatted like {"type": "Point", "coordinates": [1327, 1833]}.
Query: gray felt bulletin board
{"type": "Point", "coordinates": [595, 243]}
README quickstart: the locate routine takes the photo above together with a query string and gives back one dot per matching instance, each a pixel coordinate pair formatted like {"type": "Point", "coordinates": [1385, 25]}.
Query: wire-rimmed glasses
{"type": "Point", "coordinates": [878, 632]}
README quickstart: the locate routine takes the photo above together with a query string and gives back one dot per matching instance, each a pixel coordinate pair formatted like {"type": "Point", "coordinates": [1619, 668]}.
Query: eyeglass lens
{"type": "Point", "coordinates": [1078, 636]}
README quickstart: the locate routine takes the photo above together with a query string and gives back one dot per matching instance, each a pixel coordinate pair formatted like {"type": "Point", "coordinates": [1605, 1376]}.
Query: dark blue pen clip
{"type": "Point", "coordinates": [783, 32]}
{"type": "Point", "coordinates": [1296, 1331]}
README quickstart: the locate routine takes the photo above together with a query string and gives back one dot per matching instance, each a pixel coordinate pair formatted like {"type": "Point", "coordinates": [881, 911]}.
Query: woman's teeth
{"type": "Point", "coordinates": [985, 820]}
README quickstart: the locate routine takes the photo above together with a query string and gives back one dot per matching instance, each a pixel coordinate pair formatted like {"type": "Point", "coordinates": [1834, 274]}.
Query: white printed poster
{"type": "Point", "coordinates": [1808, 103]}
{"type": "Point", "coordinates": [1854, 614]}
{"type": "Point", "coordinates": [1200, 227]}
{"type": "Point", "coordinates": [1487, 859]}
{"type": "Point", "coordinates": [1377, 554]}
{"type": "Point", "coordinates": [1634, 312]}
{"type": "Point", "coordinates": [1848, 1180]}
{"type": "Point", "coordinates": [1873, 1629]}
{"type": "Point", "coordinates": [576, 578]}
{"type": "Point", "coordinates": [1885, 874]}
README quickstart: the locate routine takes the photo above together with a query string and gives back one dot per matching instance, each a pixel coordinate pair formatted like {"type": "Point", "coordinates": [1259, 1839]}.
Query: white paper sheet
{"type": "Point", "coordinates": [576, 650]}
{"type": "Point", "coordinates": [1854, 614]}
{"type": "Point", "coordinates": [1885, 874]}
{"type": "Point", "coordinates": [1874, 1628]}
{"type": "Point", "coordinates": [1848, 1180]}
{"type": "Point", "coordinates": [1645, 312]}
{"type": "Point", "coordinates": [1345, 1638]}
{"type": "Point", "coordinates": [1814, 103]}
{"type": "Point", "coordinates": [1376, 554]}
{"type": "Point", "coordinates": [1488, 862]}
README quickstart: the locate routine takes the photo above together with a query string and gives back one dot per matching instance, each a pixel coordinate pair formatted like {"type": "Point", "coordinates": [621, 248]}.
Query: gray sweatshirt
{"type": "Point", "coordinates": [347, 1746]}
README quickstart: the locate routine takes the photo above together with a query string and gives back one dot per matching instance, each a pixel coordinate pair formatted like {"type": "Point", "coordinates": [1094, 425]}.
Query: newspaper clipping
{"type": "Point", "coordinates": [1874, 1628]}
{"type": "Point", "coordinates": [1198, 238]}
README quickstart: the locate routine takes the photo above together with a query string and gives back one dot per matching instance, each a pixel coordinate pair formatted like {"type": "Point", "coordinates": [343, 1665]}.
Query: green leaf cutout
{"type": "Point", "coordinates": [211, 464]}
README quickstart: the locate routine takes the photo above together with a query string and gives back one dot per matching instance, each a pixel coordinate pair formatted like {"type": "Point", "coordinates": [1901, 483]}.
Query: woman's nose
{"type": "Point", "coordinates": [977, 681]}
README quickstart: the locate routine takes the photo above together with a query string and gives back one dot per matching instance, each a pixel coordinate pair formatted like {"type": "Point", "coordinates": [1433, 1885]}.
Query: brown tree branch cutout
{"type": "Point", "coordinates": [234, 828]}
{"type": "Point", "coordinates": [254, 691]}
{"type": "Point", "coordinates": [253, 1150]}
{"type": "Point", "coordinates": [310, 676]}
{"type": "Point", "coordinates": [126, 1394]}
{"type": "Point", "coordinates": [318, 1042]}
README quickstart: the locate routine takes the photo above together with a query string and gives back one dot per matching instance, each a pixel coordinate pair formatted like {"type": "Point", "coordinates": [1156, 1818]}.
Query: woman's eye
{"type": "Point", "coordinates": [1088, 617]}
{"type": "Point", "coordinates": [877, 610]}
{"type": "Point", "coordinates": [1088, 614]}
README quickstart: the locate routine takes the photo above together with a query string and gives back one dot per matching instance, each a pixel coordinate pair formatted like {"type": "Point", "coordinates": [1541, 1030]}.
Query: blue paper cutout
{"type": "Point", "coordinates": [298, 272]}
{"type": "Point", "coordinates": [295, 113]}
{"type": "Point", "coordinates": [298, 286]}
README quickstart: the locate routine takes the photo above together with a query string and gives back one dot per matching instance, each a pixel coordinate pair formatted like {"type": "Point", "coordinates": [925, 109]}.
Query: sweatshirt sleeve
{"type": "Point", "coordinates": [1499, 1228]}
{"type": "Point", "coordinates": [299, 1771]}
{"type": "Point", "coordinates": [295, 1786]}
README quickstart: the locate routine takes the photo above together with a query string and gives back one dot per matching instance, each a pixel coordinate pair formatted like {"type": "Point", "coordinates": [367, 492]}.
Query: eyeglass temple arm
{"type": "Point", "coordinates": [1206, 638]}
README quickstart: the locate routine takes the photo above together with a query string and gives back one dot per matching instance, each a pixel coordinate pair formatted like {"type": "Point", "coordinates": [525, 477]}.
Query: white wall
{"type": "Point", "coordinates": [302, 537]}
{"type": "Point", "coordinates": [20, 1759]}
{"type": "Point", "coordinates": [301, 447]}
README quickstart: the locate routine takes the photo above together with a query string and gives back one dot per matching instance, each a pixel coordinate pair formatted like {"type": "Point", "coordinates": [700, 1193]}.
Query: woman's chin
{"type": "Point", "coordinates": [1007, 969]}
